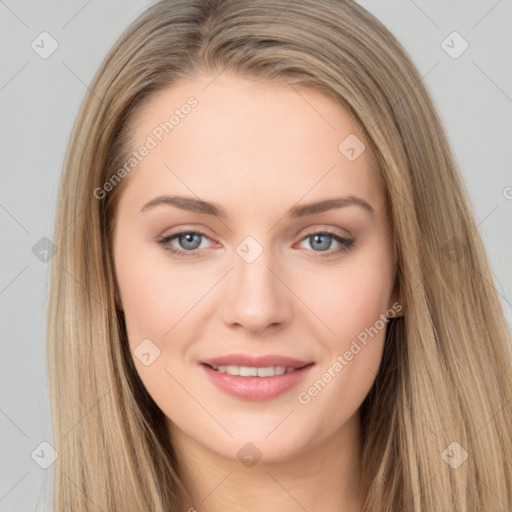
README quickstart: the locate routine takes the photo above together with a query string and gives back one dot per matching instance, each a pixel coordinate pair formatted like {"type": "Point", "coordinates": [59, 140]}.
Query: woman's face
{"type": "Point", "coordinates": [226, 267]}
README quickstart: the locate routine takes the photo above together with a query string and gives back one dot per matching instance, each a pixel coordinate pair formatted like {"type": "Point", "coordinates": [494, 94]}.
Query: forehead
{"type": "Point", "coordinates": [231, 139]}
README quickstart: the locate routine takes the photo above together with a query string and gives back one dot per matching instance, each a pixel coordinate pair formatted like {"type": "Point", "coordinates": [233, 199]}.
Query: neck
{"type": "Point", "coordinates": [326, 477]}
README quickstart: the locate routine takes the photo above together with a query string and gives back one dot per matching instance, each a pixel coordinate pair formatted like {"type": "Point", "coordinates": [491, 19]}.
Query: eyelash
{"type": "Point", "coordinates": [346, 243]}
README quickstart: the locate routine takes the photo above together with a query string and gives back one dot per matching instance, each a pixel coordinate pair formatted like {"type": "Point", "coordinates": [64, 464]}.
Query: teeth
{"type": "Point", "coordinates": [248, 371]}
{"type": "Point", "coordinates": [232, 370]}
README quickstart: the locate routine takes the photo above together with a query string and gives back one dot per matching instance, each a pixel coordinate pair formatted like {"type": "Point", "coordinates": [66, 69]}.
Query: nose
{"type": "Point", "coordinates": [258, 299]}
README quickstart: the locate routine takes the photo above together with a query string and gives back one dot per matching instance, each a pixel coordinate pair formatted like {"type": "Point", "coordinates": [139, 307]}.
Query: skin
{"type": "Point", "coordinates": [256, 149]}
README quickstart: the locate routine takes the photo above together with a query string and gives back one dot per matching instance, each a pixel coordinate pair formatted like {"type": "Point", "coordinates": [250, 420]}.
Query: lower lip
{"type": "Point", "coordinates": [256, 388]}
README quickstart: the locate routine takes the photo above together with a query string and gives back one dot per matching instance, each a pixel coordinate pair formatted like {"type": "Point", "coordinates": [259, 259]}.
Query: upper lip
{"type": "Point", "coordinates": [256, 361]}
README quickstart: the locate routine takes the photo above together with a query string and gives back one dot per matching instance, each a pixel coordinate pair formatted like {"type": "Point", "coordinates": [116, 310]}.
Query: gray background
{"type": "Point", "coordinates": [40, 97]}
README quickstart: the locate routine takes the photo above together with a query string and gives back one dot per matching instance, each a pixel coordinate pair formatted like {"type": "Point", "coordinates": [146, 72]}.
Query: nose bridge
{"type": "Point", "coordinates": [258, 298]}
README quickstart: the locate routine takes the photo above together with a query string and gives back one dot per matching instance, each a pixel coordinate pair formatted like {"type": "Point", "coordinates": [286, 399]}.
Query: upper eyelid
{"type": "Point", "coordinates": [313, 228]}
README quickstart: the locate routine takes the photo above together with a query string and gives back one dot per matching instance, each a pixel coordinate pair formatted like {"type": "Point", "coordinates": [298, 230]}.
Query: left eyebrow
{"type": "Point", "coordinates": [329, 204]}
{"type": "Point", "coordinates": [200, 206]}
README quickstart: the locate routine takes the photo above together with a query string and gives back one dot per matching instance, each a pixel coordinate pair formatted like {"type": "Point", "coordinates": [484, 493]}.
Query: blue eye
{"type": "Point", "coordinates": [190, 242]}
{"type": "Point", "coordinates": [321, 242]}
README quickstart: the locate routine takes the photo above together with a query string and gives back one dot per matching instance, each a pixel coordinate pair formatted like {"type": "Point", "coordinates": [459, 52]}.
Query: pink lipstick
{"type": "Point", "coordinates": [255, 377]}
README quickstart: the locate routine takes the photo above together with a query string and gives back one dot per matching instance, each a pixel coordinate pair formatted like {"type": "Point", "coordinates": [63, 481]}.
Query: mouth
{"type": "Point", "coordinates": [253, 371]}
{"type": "Point", "coordinates": [255, 378]}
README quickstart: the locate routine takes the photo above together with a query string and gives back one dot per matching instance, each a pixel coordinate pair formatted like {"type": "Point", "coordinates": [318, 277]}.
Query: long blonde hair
{"type": "Point", "coordinates": [446, 374]}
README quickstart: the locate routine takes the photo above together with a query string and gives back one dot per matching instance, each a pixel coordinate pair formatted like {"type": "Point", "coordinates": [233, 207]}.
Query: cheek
{"type": "Point", "coordinates": [349, 298]}
{"type": "Point", "coordinates": [352, 301]}
{"type": "Point", "coordinates": [155, 300]}
{"type": "Point", "coordinates": [152, 298]}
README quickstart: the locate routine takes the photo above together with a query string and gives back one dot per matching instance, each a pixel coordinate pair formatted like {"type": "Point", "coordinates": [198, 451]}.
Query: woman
{"type": "Point", "coordinates": [334, 341]}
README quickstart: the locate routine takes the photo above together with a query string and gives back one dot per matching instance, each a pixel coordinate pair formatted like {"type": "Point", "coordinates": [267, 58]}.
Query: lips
{"type": "Point", "coordinates": [255, 377]}
{"type": "Point", "coordinates": [256, 361]}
